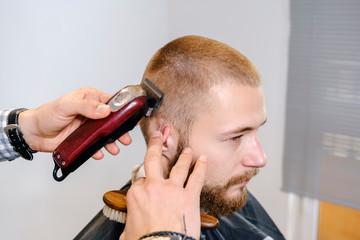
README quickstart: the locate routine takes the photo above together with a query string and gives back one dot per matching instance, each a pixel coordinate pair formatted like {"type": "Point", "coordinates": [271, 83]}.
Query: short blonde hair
{"type": "Point", "coordinates": [185, 69]}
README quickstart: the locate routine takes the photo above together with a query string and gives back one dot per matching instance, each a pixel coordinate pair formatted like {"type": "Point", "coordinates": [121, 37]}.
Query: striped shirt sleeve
{"type": "Point", "coordinates": [7, 152]}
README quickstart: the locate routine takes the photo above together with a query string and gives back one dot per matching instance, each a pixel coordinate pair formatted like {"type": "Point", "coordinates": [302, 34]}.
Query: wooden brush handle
{"type": "Point", "coordinates": [208, 222]}
{"type": "Point", "coordinates": [116, 199]}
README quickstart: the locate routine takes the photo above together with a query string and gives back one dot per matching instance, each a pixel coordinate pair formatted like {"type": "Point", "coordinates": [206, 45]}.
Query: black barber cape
{"type": "Point", "coordinates": [250, 223]}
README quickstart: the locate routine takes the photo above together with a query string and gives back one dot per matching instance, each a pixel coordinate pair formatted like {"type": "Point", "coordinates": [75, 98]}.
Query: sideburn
{"type": "Point", "coordinates": [181, 145]}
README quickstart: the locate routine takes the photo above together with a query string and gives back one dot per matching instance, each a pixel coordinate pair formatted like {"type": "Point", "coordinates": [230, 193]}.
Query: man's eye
{"type": "Point", "coordinates": [237, 138]}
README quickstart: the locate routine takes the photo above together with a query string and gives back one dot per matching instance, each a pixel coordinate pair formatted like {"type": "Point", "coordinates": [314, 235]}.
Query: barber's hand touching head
{"type": "Point", "coordinates": [45, 127]}
{"type": "Point", "coordinates": [157, 204]}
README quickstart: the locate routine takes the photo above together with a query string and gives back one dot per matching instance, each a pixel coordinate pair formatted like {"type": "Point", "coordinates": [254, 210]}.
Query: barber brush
{"type": "Point", "coordinates": [128, 106]}
{"type": "Point", "coordinates": [115, 209]}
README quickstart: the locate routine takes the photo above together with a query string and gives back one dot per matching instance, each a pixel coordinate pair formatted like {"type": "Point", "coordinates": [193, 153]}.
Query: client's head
{"type": "Point", "coordinates": [213, 102]}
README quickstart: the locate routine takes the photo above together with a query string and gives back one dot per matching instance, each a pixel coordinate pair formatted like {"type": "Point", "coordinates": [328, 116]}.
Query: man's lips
{"type": "Point", "coordinates": [240, 184]}
{"type": "Point", "coordinates": [242, 180]}
{"type": "Point", "coordinates": [245, 182]}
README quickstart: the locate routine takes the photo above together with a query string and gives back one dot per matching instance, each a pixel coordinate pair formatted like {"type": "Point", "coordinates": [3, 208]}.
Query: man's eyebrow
{"type": "Point", "coordinates": [244, 129]}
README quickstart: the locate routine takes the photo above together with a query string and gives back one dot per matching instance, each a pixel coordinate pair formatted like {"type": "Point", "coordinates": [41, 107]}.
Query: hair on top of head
{"type": "Point", "coordinates": [185, 69]}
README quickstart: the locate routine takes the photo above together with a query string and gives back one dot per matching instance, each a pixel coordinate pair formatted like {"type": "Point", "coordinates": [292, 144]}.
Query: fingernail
{"type": "Point", "coordinates": [187, 150]}
{"type": "Point", "coordinates": [156, 134]}
{"type": "Point", "coordinates": [102, 108]}
{"type": "Point", "coordinates": [203, 158]}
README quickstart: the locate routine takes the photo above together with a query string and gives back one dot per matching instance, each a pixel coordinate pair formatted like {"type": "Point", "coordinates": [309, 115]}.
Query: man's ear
{"type": "Point", "coordinates": [171, 136]}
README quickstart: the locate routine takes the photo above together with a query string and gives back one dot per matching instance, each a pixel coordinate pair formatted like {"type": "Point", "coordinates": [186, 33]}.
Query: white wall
{"type": "Point", "coordinates": [50, 48]}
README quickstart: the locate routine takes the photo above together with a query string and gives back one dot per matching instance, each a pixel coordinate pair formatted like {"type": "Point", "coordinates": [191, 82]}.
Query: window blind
{"type": "Point", "coordinates": [322, 133]}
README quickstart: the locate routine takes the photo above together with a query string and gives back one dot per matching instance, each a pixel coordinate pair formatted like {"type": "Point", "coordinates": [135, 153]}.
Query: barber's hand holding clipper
{"type": "Point", "coordinates": [45, 127]}
{"type": "Point", "coordinates": [159, 205]}
{"type": "Point", "coordinates": [128, 106]}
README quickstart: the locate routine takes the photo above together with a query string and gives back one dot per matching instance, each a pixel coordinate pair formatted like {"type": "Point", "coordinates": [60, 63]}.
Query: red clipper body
{"type": "Point", "coordinates": [128, 106]}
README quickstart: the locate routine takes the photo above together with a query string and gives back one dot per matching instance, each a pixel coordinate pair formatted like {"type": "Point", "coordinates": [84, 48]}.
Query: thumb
{"type": "Point", "coordinates": [91, 109]}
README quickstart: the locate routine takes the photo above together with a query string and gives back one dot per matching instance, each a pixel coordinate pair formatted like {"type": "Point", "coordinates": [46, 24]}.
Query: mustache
{"type": "Point", "coordinates": [242, 178]}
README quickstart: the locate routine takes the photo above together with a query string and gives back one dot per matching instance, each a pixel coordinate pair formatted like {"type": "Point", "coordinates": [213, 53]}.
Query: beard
{"type": "Point", "coordinates": [214, 200]}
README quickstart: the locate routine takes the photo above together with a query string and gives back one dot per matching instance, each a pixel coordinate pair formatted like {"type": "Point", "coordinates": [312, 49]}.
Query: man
{"type": "Point", "coordinates": [214, 104]}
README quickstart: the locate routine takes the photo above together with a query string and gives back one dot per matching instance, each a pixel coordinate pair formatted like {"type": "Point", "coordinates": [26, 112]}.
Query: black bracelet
{"type": "Point", "coordinates": [16, 139]}
{"type": "Point", "coordinates": [171, 235]}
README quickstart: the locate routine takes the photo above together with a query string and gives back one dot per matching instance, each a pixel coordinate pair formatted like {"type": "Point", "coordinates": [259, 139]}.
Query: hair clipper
{"type": "Point", "coordinates": [128, 106]}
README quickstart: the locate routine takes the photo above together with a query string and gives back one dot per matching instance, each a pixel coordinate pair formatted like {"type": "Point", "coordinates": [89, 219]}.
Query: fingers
{"type": "Point", "coordinates": [94, 94]}
{"type": "Point", "coordinates": [197, 177]}
{"type": "Point", "coordinates": [125, 139]}
{"type": "Point", "coordinates": [112, 148]}
{"type": "Point", "coordinates": [180, 171]}
{"type": "Point", "coordinates": [91, 109]}
{"type": "Point", "coordinates": [153, 157]}
{"type": "Point", "coordinates": [98, 155]}
{"type": "Point", "coordinates": [88, 102]}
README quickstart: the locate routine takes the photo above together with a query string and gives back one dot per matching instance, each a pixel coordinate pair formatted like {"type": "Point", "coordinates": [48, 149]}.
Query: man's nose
{"type": "Point", "coordinates": [255, 156]}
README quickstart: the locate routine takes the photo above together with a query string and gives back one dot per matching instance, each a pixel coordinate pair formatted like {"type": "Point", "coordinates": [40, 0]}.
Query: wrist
{"type": "Point", "coordinates": [28, 127]}
{"type": "Point", "coordinates": [166, 235]}
{"type": "Point", "coordinates": [15, 135]}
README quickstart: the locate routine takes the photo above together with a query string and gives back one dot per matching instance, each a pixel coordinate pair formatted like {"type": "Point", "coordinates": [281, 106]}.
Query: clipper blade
{"type": "Point", "coordinates": [154, 96]}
